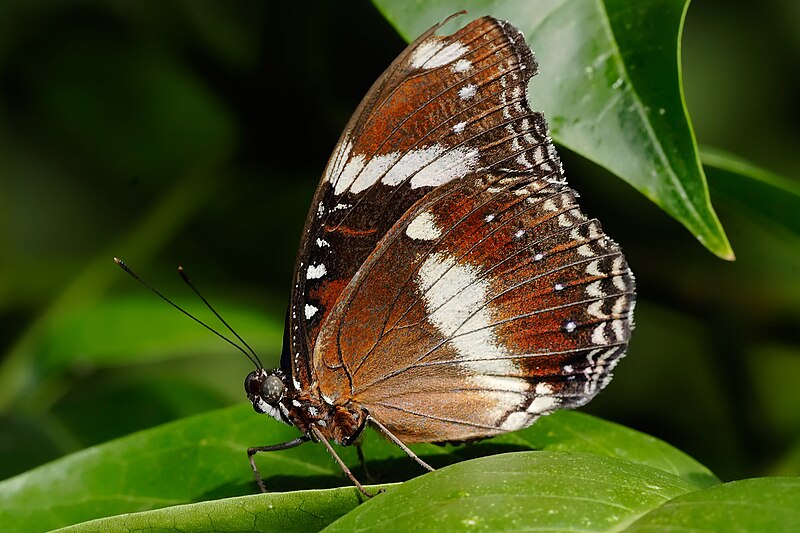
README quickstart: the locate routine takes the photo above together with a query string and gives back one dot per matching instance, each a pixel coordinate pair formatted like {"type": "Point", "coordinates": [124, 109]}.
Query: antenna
{"type": "Point", "coordinates": [185, 278]}
{"type": "Point", "coordinates": [254, 358]}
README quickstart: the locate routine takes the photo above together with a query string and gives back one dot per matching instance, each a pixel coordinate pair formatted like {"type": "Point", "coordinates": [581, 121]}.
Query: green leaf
{"type": "Point", "coordinates": [193, 459]}
{"type": "Point", "coordinates": [767, 195]}
{"type": "Point", "coordinates": [203, 457]}
{"type": "Point", "coordinates": [568, 431]}
{"type": "Point", "coordinates": [548, 491]}
{"type": "Point", "coordinates": [610, 86]}
{"type": "Point", "coordinates": [762, 504]}
{"type": "Point", "coordinates": [301, 511]}
{"type": "Point", "coordinates": [577, 432]}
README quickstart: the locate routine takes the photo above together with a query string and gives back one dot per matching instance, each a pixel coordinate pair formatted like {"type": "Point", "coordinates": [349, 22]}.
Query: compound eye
{"type": "Point", "coordinates": [272, 389]}
{"type": "Point", "coordinates": [251, 383]}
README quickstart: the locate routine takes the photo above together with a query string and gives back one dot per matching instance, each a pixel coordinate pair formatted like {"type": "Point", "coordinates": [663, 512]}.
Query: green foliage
{"type": "Point", "coordinates": [147, 130]}
{"type": "Point", "coordinates": [202, 457]}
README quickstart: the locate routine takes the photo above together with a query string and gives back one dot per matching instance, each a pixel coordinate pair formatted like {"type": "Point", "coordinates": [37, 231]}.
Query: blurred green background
{"type": "Point", "coordinates": [195, 132]}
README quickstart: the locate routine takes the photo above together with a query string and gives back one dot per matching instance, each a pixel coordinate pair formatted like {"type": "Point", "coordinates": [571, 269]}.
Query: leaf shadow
{"type": "Point", "coordinates": [390, 470]}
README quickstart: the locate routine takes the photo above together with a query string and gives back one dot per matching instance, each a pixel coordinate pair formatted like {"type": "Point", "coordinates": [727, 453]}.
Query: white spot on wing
{"type": "Point", "coordinates": [453, 164]}
{"type": "Point", "coordinates": [411, 163]}
{"type": "Point", "coordinates": [516, 421]}
{"type": "Point", "coordinates": [373, 171]}
{"type": "Point", "coordinates": [618, 328]}
{"type": "Point", "coordinates": [316, 271]}
{"type": "Point", "coordinates": [593, 268]}
{"type": "Point", "coordinates": [594, 289]}
{"type": "Point", "coordinates": [338, 159]}
{"type": "Point", "coordinates": [310, 311]}
{"type": "Point", "coordinates": [462, 65]}
{"type": "Point", "coordinates": [619, 305]}
{"type": "Point", "coordinates": [467, 92]}
{"type": "Point", "coordinates": [423, 227]}
{"type": "Point", "coordinates": [347, 176]}
{"type": "Point", "coordinates": [458, 128]}
{"type": "Point", "coordinates": [424, 52]}
{"type": "Point", "coordinates": [455, 297]}
{"type": "Point", "coordinates": [432, 54]}
{"type": "Point", "coordinates": [432, 166]}
{"type": "Point", "coordinates": [543, 404]}
{"type": "Point", "coordinates": [616, 266]}
{"type": "Point", "coordinates": [596, 309]}
{"type": "Point", "coordinates": [599, 334]}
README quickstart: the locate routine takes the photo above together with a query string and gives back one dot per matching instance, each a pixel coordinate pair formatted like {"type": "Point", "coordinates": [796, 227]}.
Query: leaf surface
{"type": "Point", "coordinates": [203, 457]}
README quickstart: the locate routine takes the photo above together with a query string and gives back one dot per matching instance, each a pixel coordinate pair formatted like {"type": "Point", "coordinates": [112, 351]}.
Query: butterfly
{"type": "Point", "coordinates": [448, 287]}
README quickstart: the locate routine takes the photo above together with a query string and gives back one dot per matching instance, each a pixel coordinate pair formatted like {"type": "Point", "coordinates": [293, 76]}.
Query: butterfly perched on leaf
{"type": "Point", "coordinates": [448, 287]}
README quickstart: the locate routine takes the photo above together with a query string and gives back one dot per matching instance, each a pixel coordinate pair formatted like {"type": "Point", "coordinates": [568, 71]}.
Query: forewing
{"type": "Point", "coordinates": [448, 107]}
{"type": "Point", "coordinates": [491, 302]}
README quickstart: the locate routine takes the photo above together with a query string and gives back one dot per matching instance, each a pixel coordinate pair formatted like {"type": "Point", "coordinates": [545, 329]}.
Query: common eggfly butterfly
{"type": "Point", "coordinates": [448, 287]}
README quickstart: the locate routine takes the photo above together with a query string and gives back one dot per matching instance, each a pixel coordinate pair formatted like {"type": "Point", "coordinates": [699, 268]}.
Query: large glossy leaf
{"type": "Point", "coordinates": [576, 432]}
{"type": "Point", "coordinates": [610, 86]}
{"type": "Point", "coordinates": [203, 457]}
{"type": "Point", "coordinates": [767, 195]}
{"type": "Point", "coordinates": [762, 504]}
{"type": "Point", "coordinates": [542, 491]}
{"type": "Point", "coordinates": [568, 431]}
{"type": "Point", "coordinates": [301, 511]}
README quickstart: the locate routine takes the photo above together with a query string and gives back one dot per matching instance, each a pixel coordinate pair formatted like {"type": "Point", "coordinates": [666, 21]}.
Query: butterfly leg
{"type": "Point", "coordinates": [383, 429]}
{"type": "Point", "coordinates": [251, 452]}
{"type": "Point", "coordinates": [319, 436]}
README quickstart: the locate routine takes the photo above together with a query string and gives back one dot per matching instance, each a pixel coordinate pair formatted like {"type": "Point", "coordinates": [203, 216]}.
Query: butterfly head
{"type": "Point", "coordinates": [266, 391]}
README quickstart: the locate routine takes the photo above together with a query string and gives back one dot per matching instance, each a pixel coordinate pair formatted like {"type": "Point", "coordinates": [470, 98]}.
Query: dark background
{"type": "Point", "coordinates": [194, 133]}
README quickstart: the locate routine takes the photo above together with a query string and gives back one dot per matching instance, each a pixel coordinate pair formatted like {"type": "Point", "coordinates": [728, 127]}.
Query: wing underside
{"type": "Point", "coordinates": [447, 281]}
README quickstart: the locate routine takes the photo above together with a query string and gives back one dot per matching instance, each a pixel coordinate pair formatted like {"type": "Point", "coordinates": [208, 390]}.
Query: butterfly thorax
{"type": "Point", "coordinates": [341, 423]}
{"type": "Point", "coordinates": [272, 393]}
